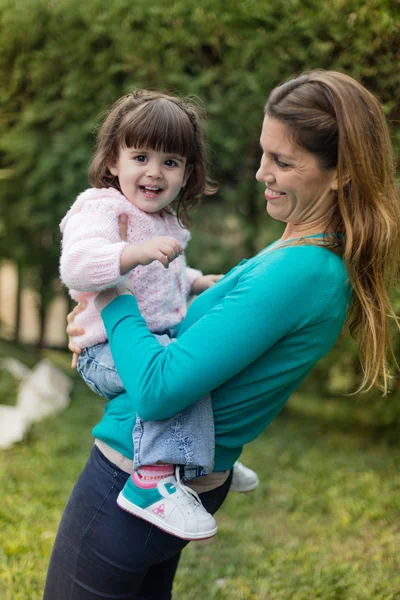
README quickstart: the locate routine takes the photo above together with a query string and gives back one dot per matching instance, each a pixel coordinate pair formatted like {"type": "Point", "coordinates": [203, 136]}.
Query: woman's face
{"type": "Point", "coordinates": [297, 191]}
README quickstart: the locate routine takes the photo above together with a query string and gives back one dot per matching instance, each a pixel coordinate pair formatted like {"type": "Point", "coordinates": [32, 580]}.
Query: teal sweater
{"type": "Point", "coordinates": [250, 340]}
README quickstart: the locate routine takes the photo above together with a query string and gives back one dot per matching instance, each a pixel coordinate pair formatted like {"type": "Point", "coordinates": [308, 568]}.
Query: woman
{"type": "Point", "coordinates": [327, 166]}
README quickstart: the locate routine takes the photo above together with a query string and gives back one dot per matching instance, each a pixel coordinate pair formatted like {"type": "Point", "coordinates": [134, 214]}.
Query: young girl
{"type": "Point", "coordinates": [150, 153]}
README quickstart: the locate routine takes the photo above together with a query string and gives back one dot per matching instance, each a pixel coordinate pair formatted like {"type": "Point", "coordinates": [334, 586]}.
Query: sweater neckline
{"type": "Point", "coordinates": [287, 242]}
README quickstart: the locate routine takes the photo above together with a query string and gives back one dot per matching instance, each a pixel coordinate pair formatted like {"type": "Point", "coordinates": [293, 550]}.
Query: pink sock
{"type": "Point", "coordinates": [149, 475]}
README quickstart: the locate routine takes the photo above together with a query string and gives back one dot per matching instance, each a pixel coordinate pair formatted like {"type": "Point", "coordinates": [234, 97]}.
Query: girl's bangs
{"type": "Point", "coordinates": [159, 125]}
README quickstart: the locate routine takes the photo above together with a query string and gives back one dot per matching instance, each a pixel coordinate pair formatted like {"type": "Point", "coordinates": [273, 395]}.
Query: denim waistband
{"type": "Point", "coordinates": [118, 459]}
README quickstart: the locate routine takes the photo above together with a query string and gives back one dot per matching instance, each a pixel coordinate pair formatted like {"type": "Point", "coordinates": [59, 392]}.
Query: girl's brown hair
{"type": "Point", "coordinates": [335, 118]}
{"type": "Point", "coordinates": [146, 119]}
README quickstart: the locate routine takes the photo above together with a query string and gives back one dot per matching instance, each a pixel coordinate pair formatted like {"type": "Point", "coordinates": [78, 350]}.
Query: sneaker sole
{"type": "Point", "coordinates": [136, 511]}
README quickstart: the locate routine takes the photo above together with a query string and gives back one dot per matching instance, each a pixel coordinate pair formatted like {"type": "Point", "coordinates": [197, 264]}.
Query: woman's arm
{"type": "Point", "coordinates": [262, 308]}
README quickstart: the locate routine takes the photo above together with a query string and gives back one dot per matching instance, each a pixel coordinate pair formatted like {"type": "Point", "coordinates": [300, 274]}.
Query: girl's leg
{"type": "Point", "coordinates": [187, 439]}
{"type": "Point", "coordinates": [97, 369]}
{"type": "Point", "coordinates": [153, 492]}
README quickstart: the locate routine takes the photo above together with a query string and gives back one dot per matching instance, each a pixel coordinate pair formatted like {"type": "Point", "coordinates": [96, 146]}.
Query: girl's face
{"type": "Point", "coordinates": [149, 179]}
{"type": "Point", "coordinates": [297, 191]}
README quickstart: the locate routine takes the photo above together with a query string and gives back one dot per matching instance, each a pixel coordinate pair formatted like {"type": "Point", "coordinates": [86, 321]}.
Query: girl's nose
{"type": "Point", "coordinates": [154, 170]}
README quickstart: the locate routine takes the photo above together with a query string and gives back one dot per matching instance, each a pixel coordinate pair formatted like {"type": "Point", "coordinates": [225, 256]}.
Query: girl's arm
{"type": "Point", "coordinates": [94, 258]}
{"type": "Point", "coordinates": [263, 307]}
{"type": "Point", "coordinates": [91, 251]}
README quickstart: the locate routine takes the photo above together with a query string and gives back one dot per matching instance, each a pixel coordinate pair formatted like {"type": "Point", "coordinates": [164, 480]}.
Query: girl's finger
{"type": "Point", "coordinates": [72, 346]}
{"type": "Point", "coordinates": [73, 330]}
{"type": "Point", "coordinates": [169, 252]}
{"type": "Point", "coordinates": [173, 243]}
{"type": "Point", "coordinates": [176, 249]}
{"type": "Point", "coordinates": [163, 259]}
{"type": "Point", "coordinates": [74, 362]}
{"type": "Point", "coordinates": [75, 311]}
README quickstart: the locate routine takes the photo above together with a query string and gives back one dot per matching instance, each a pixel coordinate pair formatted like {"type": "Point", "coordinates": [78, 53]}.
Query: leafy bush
{"type": "Point", "coordinates": [63, 63]}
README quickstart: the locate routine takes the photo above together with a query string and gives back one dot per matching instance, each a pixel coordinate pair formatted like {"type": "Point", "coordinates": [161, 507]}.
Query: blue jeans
{"type": "Point", "coordinates": [185, 439]}
{"type": "Point", "coordinates": [102, 551]}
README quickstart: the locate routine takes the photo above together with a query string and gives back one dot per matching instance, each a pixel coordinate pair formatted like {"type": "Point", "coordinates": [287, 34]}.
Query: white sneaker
{"type": "Point", "coordinates": [171, 506]}
{"type": "Point", "coordinates": [243, 479]}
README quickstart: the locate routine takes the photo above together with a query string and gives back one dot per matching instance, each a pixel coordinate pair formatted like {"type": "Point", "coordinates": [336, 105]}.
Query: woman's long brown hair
{"type": "Point", "coordinates": [335, 118]}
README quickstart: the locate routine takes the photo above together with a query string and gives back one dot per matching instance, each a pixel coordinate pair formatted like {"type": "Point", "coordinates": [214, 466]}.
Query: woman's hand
{"type": "Point", "coordinates": [72, 329]}
{"type": "Point", "coordinates": [106, 296]}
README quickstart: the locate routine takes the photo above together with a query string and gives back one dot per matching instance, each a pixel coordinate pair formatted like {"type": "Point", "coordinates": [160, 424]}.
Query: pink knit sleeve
{"type": "Point", "coordinates": [91, 251]}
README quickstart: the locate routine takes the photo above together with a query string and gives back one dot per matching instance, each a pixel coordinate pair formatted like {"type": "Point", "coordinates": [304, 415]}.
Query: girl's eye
{"type": "Point", "coordinates": [141, 158]}
{"type": "Point", "coordinates": [171, 163]}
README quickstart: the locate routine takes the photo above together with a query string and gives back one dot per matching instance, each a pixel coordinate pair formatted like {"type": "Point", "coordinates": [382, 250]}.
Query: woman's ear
{"type": "Point", "coordinates": [335, 180]}
{"type": "Point", "coordinates": [188, 172]}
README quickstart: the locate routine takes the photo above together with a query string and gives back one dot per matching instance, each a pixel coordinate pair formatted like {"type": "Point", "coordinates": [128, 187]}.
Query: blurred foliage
{"type": "Point", "coordinates": [63, 62]}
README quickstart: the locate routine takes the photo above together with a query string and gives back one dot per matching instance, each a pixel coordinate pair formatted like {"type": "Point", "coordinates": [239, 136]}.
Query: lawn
{"type": "Point", "coordinates": [324, 522]}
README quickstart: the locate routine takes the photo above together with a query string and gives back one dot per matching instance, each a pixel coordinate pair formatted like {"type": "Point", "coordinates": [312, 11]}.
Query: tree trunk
{"type": "Point", "coordinates": [18, 304]}
{"type": "Point", "coordinates": [252, 206]}
{"type": "Point", "coordinates": [45, 296]}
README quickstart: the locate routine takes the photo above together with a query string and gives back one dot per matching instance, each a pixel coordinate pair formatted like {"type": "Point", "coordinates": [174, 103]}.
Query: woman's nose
{"type": "Point", "coordinates": [264, 174]}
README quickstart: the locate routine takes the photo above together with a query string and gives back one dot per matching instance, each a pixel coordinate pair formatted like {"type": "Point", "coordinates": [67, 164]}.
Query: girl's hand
{"type": "Point", "coordinates": [201, 284]}
{"type": "Point", "coordinates": [73, 331]}
{"type": "Point", "coordinates": [162, 248]}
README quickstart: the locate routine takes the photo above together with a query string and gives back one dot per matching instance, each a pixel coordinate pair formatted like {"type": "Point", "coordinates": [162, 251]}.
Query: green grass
{"type": "Point", "coordinates": [324, 522]}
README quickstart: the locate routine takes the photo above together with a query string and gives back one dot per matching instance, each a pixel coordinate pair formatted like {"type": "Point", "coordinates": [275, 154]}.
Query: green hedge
{"type": "Point", "coordinates": [63, 62]}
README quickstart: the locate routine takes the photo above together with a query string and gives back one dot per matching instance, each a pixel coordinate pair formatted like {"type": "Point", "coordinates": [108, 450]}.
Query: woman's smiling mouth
{"type": "Point", "coordinates": [272, 195]}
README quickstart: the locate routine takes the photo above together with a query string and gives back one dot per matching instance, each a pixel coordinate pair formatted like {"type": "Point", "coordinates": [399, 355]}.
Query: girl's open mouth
{"type": "Point", "coordinates": [150, 192]}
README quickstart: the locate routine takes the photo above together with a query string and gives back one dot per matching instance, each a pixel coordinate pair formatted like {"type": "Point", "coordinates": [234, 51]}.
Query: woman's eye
{"type": "Point", "coordinates": [281, 164]}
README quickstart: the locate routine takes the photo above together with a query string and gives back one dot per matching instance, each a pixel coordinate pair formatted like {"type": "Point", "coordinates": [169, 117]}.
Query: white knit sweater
{"type": "Point", "coordinates": [90, 261]}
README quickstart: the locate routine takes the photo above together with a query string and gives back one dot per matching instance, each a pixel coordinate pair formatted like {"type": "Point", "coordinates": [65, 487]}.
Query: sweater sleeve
{"type": "Point", "coordinates": [91, 251]}
{"type": "Point", "coordinates": [263, 307]}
